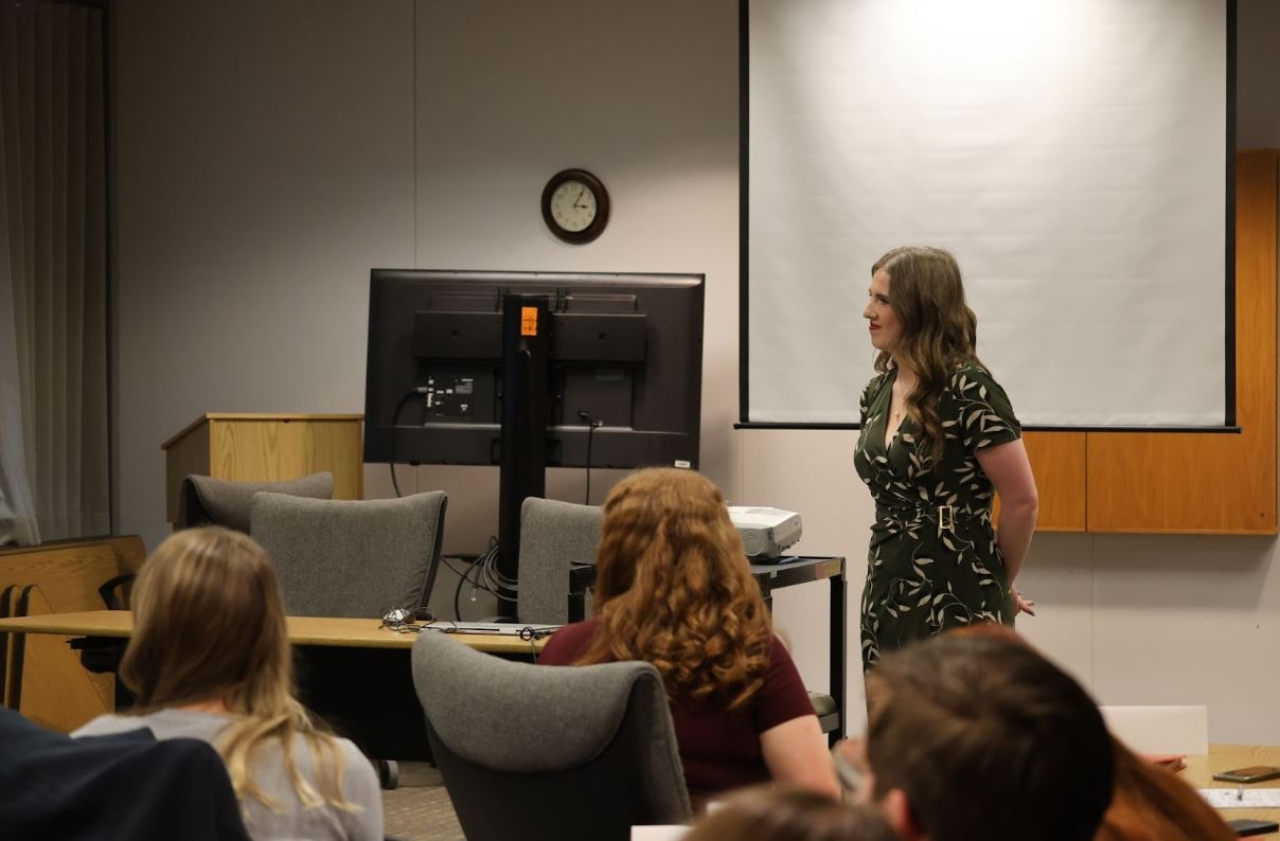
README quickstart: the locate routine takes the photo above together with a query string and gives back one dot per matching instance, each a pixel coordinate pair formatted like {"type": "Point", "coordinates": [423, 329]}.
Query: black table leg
{"type": "Point", "coordinates": [839, 665]}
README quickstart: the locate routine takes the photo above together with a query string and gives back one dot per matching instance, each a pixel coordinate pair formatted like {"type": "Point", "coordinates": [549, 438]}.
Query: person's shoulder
{"type": "Point", "coordinates": [577, 631]}
{"type": "Point", "coordinates": [972, 376]}
{"type": "Point", "coordinates": [106, 725]}
{"type": "Point", "coordinates": [878, 382]}
{"type": "Point", "coordinates": [778, 649]}
{"type": "Point", "coordinates": [355, 762]}
{"type": "Point", "coordinates": [779, 655]}
{"type": "Point", "coordinates": [564, 646]}
{"type": "Point", "coordinates": [875, 385]}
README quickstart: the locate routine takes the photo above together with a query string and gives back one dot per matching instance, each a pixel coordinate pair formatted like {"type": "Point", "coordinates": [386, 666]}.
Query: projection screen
{"type": "Point", "coordinates": [1073, 154]}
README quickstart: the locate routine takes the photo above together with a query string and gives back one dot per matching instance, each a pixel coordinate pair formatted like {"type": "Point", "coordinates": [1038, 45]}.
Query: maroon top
{"type": "Point", "coordinates": [719, 748]}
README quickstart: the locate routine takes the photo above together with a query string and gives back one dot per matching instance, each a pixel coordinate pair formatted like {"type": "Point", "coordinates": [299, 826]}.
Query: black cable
{"type": "Point", "coordinates": [473, 575]}
{"type": "Point", "coordinates": [395, 419]}
{"type": "Point", "coordinates": [463, 579]}
{"type": "Point", "coordinates": [462, 574]}
{"type": "Point", "coordinates": [592, 426]}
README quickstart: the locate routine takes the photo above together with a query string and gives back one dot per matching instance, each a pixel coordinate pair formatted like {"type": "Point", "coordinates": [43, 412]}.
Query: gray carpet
{"type": "Point", "coordinates": [419, 809]}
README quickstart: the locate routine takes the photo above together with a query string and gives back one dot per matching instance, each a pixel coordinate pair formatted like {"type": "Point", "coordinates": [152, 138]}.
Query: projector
{"type": "Point", "coordinates": [765, 532]}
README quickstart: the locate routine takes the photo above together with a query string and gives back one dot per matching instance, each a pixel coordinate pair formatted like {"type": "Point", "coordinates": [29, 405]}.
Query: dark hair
{"type": "Point", "coordinates": [939, 331]}
{"type": "Point", "coordinates": [988, 740]}
{"type": "Point", "coordinates": [790, 814]}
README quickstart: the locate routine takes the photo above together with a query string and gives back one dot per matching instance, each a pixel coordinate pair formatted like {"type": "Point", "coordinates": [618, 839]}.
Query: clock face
{"type": "Point", "coordinates": [573, 206]}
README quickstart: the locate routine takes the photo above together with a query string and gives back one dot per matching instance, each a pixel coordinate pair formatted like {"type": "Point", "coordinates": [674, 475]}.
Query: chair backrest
{"type": "Point", "coordinates": [351, 558]}
{"type": "Point", "coordinates": [565, 751]}
{"type": "Point", "coordinates": [124, 786]}
{"type": "Point", "coordinates": [204, 500]}
{"type": "Point", "coordinates": [554, 535]}
{"type": "Point", "coordinates": [1160, 729]}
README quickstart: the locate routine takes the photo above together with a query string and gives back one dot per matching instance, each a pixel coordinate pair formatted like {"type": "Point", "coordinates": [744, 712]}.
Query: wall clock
{"type": "Point", "coordinates": [575, 206]}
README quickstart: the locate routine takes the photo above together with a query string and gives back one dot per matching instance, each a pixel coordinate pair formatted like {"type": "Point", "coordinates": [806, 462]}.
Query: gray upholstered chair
{"type": "Point", "coordinates": [549, 752]}
{"type": "Point", "coordinates": [554, 536]}
{"type": "Point", "coordinates": [351, 558]}
{"type": "Point", "coordinates": [204, 500]}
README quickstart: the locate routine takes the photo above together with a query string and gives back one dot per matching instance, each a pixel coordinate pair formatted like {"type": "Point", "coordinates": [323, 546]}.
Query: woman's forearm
{"type": "Point", "coordinates": [1016, 525]}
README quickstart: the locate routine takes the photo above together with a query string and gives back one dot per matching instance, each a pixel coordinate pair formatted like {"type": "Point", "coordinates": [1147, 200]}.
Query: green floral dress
{"type": "Point", "coordinates": [933, 563]}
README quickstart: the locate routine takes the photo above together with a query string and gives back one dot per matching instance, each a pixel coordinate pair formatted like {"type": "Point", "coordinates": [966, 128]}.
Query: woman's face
{"type": "Point", "coordinates": [884, 326]}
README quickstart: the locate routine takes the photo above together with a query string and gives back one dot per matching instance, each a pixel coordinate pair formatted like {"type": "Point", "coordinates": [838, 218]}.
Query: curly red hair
{"type": "Point", "coordinates": [673, 588]}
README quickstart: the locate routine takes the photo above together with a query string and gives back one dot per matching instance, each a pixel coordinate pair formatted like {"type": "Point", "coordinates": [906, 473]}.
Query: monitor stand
{"type": "Point", "coordinates": [522, 472]}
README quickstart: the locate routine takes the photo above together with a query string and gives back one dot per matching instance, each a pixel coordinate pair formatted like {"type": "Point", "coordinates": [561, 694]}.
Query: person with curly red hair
{"type": "Point", "coordinates": [673, 588]}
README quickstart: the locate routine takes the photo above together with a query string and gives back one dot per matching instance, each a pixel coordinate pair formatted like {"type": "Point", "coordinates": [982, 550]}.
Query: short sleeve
{"type": "Point", "coordinates": [984, 412]}
{"type": "Point", "coordinates": [783, 696]}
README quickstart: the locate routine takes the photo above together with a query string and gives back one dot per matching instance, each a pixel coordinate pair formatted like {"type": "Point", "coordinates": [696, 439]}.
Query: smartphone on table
{"type": "Point", "coordinates": [1244, 827]}
{"type": "Point", "coordinates": [1252, 774]}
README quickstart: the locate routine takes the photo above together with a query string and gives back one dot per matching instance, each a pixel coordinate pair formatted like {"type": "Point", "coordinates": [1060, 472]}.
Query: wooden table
{"type": "Point", "coordinates": [354, 673]}
{"type": "Point", "coordinates": [303, 630]}
{"type": "Point", "coordinates": [1200, 770]}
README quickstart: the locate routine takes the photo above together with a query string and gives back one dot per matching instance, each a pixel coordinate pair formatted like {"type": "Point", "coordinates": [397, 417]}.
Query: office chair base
{"type": "Point", "coordinates": [388, 773]}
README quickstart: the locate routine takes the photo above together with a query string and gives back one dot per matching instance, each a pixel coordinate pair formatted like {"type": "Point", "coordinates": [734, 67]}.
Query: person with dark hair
{"type": "Point", "coordinates": [1149, 802]}
{"type": "Point", "coordinates": [210, 659]}
{"type": "Point", "coordinates": [1152, 804]}
{"type": "Point", "coordinates": [982, 739]}
{"type": "Point", "coordinates": [938, 436]}
{"type": "Point", "coordinates": [673, 588]}
{"type": "Point", "coordinates": [789, 814]}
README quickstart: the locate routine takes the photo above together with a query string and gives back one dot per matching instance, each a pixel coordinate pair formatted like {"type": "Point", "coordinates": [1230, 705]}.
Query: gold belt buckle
{"type": "Point", "coordinates": [946, 518]}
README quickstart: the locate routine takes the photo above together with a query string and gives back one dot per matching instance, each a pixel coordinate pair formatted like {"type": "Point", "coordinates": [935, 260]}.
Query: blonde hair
{"type": "Point", "coordinates": [673, 588]}
{"type": "Point", "coordinates": [209, 625]}
{"type": "Point", "coordinates": [939, 331]}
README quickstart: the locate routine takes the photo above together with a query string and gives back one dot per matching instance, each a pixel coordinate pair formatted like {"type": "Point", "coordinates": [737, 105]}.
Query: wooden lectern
{"type": "Point", "coordinates": [266, 448]}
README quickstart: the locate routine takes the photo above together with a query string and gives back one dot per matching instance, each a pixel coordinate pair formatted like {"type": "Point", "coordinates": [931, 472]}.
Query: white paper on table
{"type": "Point", "coordinates": [659, 832]}
{"type": "Point", "coordinates": [1234, 798]}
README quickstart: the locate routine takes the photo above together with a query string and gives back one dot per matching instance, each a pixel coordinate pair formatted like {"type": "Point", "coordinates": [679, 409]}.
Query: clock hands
{"type": "Point", "coordinates": [581, 192]}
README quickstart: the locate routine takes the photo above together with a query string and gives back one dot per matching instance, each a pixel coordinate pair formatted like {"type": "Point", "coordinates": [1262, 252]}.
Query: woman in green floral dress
{"type": "Point", "coordinates": [938, 436]}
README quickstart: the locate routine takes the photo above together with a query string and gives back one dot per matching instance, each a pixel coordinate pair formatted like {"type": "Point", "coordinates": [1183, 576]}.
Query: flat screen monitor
{"type": "Point", "coordinates": [624, 367]}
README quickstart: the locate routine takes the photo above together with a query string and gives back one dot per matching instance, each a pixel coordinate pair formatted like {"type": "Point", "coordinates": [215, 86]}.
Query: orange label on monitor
{"type": "Point", "coordinates": [528, 321]}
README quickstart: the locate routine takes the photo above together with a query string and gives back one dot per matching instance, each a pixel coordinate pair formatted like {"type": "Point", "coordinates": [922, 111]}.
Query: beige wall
{"type": "Point", "coordinates": [269, 154]}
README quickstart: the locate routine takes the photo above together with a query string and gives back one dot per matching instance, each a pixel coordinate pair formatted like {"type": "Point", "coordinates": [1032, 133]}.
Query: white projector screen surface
{"type": "Point", "coordinates": [1072, 154]}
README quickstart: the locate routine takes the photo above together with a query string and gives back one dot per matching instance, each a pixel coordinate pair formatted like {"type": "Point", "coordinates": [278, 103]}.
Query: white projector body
{"type": "Point", "coordinates": [765, 532]}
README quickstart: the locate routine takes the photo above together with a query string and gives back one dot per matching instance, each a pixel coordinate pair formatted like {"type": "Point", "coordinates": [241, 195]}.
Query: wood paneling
{"type": "Point", "coordinates": [1218, 483]}
{"type": "Point", "coordinates": [1058, 462]}
{"type": "Point", "coordinates": [267, 448]}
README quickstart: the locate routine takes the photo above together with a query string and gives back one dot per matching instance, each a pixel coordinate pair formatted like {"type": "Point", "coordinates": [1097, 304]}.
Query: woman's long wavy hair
{"type": "Point", "coordinates": [209, 625]}
{"type": "Point", "coordinates": [673, 588]}
{"type": "Point", "coordinates": [939, 331]}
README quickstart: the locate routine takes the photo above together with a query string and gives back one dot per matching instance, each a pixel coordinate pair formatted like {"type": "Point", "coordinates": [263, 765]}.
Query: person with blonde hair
{"type": "Point", "coordinates": [673, 588]}
{"type": "Point", "coordinates": [939, 438]}
{"type": "Point", "coordinates": [210, 659]}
